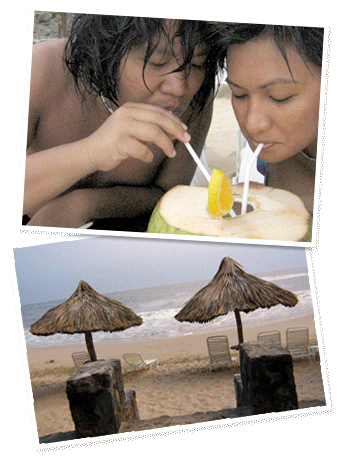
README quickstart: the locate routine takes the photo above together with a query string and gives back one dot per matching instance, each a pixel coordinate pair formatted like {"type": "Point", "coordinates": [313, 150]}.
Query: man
{"type": "Point", "coordinates": [110, 110]}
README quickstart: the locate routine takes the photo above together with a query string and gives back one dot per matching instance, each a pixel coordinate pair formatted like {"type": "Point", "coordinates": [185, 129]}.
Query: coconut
{"type": "Point", "coordinates": [272, 214]}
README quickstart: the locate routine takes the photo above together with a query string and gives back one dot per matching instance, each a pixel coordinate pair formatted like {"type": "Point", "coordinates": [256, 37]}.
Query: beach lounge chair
{"type": "Point", "coordinates": [136, 362]}
{"type": "Point", "coordinates": [79, 358]}
{"type": "Point", "coordinates": [218, 351]}
{"type": "Point", "coordinates": [244, 155]}
{"type": "Point", "coordinates": [297, 342]}
{"type": "Point", "coordinates": [270, 337]}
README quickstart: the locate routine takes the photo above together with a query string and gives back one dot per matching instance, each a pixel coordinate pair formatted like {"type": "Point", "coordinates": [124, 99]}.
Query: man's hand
{"type": "Point", "coordinates": [129, 131]}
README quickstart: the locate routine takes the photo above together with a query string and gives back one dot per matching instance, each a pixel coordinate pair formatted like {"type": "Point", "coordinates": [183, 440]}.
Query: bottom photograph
{"type": "Point", "coordinates": [126, 335]}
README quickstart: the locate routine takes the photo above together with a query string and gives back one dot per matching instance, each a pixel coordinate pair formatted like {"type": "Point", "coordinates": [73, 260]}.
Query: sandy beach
{"type": "Point", "coordinates": [182, 383]}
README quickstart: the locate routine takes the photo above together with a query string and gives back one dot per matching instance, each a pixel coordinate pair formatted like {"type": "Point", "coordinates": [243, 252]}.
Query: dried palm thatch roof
{"type": "Point", "coordinates": [86, 311]}
{"type": "Point", "coordinates": [232, 289]}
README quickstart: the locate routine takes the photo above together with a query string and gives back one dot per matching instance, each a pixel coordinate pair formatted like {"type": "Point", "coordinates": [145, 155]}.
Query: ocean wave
{"type": "Point", "coordinates": [161, 324]}
{"type": "Point", "coordinates": [286, 276]}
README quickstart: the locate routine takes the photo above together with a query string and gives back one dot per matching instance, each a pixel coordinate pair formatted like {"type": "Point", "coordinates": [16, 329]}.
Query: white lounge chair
{"type": "Point", "coordinates": [297, 342]}
{"type": "Point", "coordinates": [218, 351]}
{"type": "Point", "coordinates": [79, 358]}
{"type": "Point", "coordinates": [244, 154]}
{"type": "Point", "coordinates": [270, 337]}
{"type": "Point", "coordinates": [136, 362]}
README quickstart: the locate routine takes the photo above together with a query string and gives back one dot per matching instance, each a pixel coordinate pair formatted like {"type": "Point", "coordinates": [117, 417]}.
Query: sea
{"type": "Point", "coordinates": [158, 305]}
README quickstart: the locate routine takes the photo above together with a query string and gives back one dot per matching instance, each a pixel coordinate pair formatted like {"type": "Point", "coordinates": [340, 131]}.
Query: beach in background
{"type": "Point", "coordinates": [182, 382]}
{"type": "Point", "coordinates": [221, 142]}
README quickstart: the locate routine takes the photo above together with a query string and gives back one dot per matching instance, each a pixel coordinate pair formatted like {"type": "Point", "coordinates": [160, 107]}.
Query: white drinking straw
{"type": "Point", "coordinates": [246, 179]}
{"type": "Point", "coordinates": [198, 161]}
{"type": "Point", "coordinates": [87, 225]}
{"type": "Point", "coordinates": [202, 168]}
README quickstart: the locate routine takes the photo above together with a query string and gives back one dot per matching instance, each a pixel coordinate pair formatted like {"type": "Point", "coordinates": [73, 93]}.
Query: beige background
{"type": "Point", "coordinates": [314, 437]}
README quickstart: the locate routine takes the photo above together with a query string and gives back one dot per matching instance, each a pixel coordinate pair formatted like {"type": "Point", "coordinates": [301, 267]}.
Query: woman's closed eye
{"type": "Point", "coordinates": [274, 99]}
{"type": "Point", "coordinates": [282, 100]}
{"type": "Point", "coordinates": [239, 97]}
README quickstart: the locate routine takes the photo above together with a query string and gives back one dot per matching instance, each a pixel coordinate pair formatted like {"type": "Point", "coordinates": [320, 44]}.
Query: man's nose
{"type": "Point", "coordinates": [175, 84]}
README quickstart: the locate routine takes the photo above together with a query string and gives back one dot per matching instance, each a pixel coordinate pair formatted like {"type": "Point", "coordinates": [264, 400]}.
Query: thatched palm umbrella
{"type": "Point", "coordinates": [86, 311]}
{"type": "Point", "coordinates": [232, 289]}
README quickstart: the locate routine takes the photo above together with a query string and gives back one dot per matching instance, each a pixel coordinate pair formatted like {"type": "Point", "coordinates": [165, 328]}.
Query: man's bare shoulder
{"type": "Point", "coordinates": [48, 50]}
{"type": "Point", "coordinates": [48, 65]}
{"type": "Point", "coordinates": [48, 83]}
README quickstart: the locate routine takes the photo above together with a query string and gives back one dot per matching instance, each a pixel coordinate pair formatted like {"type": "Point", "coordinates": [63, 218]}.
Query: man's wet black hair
{"type": "Point", "coordinates": [98, 43]}
{"type": "Point", "coordinates": [307, 41]}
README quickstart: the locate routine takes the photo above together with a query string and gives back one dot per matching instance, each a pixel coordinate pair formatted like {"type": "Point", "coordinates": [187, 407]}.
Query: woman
{"type": "Point", "coordinates": [274, 73]}
{"type": "Point", "coordinates": [108, 116]}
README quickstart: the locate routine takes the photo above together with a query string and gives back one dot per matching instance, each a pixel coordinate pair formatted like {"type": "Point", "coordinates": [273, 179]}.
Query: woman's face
{"type": "Point", "coordinates": [162, 87]}
{"type": "Point", "coordinates": [272, 105]}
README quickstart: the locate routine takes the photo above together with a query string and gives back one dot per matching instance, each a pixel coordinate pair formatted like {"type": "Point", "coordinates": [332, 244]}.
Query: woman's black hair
{"type": "Point", "coordinates": [98, 43]}
{"type": "Point", "coordinates": [307, 41]}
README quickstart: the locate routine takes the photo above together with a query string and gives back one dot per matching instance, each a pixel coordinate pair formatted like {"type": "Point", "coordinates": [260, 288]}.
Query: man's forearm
{"type": "Point", "coordinates": [121, 201]}
{"type": "Point", "coordinates": [51, 172]}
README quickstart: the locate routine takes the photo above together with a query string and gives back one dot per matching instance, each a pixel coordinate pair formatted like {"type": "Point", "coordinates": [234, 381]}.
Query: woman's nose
{"type": "Point", "coordinates": [175, 84]}
{"type": "Point", "coordinates": [257, 119]}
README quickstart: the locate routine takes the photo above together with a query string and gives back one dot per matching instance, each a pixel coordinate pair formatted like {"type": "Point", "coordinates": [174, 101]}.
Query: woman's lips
{"type": "Point", "coordinates": [266, 145]}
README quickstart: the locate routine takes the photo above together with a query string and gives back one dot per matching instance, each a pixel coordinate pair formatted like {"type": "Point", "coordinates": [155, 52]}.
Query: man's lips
{"type": "Point", "coordinates": [177, 112]}
{"type": "Point", "coordinates": [175, 108]}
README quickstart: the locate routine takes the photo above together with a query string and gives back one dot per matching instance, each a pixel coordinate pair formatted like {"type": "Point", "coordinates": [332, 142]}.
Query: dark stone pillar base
{"type": "Point", "coordinates": [266, 383]}
{"type": "Point", "coordinates": [97, 399]}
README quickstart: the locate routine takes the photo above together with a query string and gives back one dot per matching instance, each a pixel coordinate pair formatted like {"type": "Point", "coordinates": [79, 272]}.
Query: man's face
{"type": "Point", "coordinates": [162, 87]}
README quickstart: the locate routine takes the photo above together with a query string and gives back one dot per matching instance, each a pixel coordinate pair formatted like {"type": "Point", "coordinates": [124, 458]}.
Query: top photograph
{"type": "Point", "coordinates": [174, 128]}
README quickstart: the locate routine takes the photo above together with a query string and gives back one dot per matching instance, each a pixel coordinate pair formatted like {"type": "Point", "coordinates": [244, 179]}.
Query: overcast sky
{"type": "Point", "coordinates": [52, 271]}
